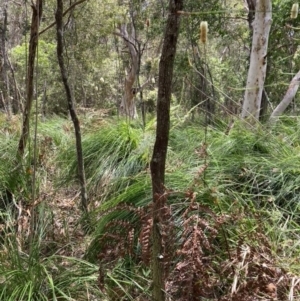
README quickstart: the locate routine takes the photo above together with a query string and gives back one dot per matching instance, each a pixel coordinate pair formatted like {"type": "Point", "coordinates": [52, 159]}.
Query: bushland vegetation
{"type": "Point", "coordinates": [136, 163]}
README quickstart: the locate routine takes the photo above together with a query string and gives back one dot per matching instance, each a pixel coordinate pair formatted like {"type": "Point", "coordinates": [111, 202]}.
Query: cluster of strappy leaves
{"type": "Point", "coordinates": [219, 188]}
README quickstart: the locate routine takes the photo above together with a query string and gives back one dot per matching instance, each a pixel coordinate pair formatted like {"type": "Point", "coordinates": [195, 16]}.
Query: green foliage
{"type": "Point", "coordinates": [247, 178]}
{"type": "Point", "coordinates": [257, 164]}
{"type": "Point", "coordinates": [47, 72]}
{"type": "Point", "coordinates": [30, 267]}
{"type": "Point", "coordinates": [113, 155]}
{"type": "Point", "coordinates": [127, 279]}
{"type": "Point", "coordinates": [16, 177]}
{"type": "Point", "coordinates": [231, 194]}
{"type": "Point", "coordinates": [46, 56]}
{"type": "Point", "coordinates": [239, 188]}
{"type": "Point", "coordinates": [8, 145]}
{"type": "Point", "coordinates": [282, 49]}
{"type": "Point", "coordinates": [28, 274]}
{"type": "Point", "coordinates": [60, 131]}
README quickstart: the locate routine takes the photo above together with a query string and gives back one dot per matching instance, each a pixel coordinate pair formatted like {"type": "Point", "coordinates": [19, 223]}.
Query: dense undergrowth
{"type": "Point", "coordinates": [230, 228]}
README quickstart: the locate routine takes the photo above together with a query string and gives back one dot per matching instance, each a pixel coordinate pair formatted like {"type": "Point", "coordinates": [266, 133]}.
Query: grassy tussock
{"type": "Point", "coordinates": [243, 188]}
{"type": "Point", "coordinates": [113, 155]}
{"type": "Point", "coordinates": [231, 197]}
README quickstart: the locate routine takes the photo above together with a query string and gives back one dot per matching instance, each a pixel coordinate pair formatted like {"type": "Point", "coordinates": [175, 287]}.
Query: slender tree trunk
{"type": "Point", "coordinates": [263, 106]}
{"type": "Point", "coordinates": [288, 97]}
{"type": "Point", "coordinates": [71, 103]}
{"type": "Point", "coordinates": [37, 10]}
{"type": "Point", "coordinates": [44, 102]}
{"type": "Point", "coordinates": [17, 105]}
{"type": "Point", "coordinates": [258, 60]}
{"type": "Point", "coordinates": [128, 107]}
{"type": "Point", "coordinates": [158, 160]}
{"type": "Point", "coordinates": [4, 63]}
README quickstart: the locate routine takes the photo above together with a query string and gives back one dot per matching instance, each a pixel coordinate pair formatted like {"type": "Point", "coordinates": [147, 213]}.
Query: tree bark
{"type": "Point", "coordinates": [288, 97]}
{"type": "Point", "coordinates": [250, 6]}
{"type": "Point", "coordinates": [4, 64]}
{"type": "Point", "coordinates": [158, 161]}
{"type": "Point", "coordinates": [258, 60]}
{"type": "Point", "coordinates": [128, 107]}
{"type": "Point", "coordinates": [37, 10]}
{"type": "Point", "coordinates": [71, 104]}
{"type": "Point", "coordinates": [251, 13]}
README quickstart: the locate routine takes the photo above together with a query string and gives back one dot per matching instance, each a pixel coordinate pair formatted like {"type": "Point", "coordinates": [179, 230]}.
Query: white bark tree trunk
{"type": "Point", "coordinates": [258, 60]}
{"type": "Point", "coordinates": [288, 97]}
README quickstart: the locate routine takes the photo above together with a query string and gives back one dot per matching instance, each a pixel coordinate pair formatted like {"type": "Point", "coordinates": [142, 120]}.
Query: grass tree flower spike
{"type": "Point", "coordinates": [294, 11]}
{"type": "Point", "coordinates": [203, 32]}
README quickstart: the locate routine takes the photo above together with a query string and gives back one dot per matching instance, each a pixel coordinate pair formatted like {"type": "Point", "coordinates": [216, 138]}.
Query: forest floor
{"type": "Point", "coordinates": [255, 253]}
{"type": "Point", "coordinates": [65, 228]}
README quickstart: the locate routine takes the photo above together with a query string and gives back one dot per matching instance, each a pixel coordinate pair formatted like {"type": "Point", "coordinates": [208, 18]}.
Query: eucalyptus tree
{"type": "Point", "coordinates": [295, 82]}
{"type": "Point", "coordinates": [288, 97]}
{"type": "Point", "coordinates": [258, 60]}
{"type": "Point", "coordinates": [136, 31]}
{"type": "Point", "coordinates": [283, 54]}
{"type": "Point", "coordinates": [282, 60]}
{"type": "Point", "coordinates": [128, 107]}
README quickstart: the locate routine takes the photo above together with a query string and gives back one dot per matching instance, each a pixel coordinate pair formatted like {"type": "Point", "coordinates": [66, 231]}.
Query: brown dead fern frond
{"type": "Point", "coordinates": [120, 236]}
{"type": "Point", "coordinates": [191, 276]}
{"type": "Point", "coordinates": [119, 239]}
{"type": "Point", "coordinates": [168, 236]}
{"type": "Point", "coordinates": [163, 218]}
{"type": "Point", "coordinates": [113, 243]}
{"type": "Point", "coordinates": [145, 237]}
{"type": "Point", "coordinates": [201, 170]}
